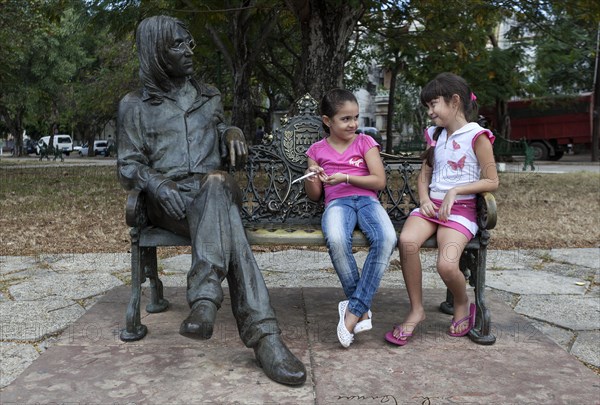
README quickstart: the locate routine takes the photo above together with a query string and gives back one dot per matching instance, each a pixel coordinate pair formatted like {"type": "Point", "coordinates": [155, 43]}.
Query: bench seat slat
{"type": "Point", "coordinates": [153, 236]}
{"type": "Point", "coordinates": [293, 235]}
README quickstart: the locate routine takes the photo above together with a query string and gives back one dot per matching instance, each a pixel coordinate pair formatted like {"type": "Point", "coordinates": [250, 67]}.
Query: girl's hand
{"type": "Point", "coordinates": [336, 178]}
{"type": "Point", "coordinates": [428, 208]}
{"type": "Point", "coordinates": [446, 207]}
{"type": "Point", "coordinates": [316, 169]}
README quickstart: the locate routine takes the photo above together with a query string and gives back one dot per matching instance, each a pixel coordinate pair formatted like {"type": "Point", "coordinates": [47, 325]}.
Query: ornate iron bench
{"type": "Point", "coordinates": [277, 212]}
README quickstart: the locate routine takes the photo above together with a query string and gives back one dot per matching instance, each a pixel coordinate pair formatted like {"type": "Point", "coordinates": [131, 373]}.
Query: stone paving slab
{"type": "Point", "coordinates": [558, 310]}
{"type": "Point", "coordinates": [89, 364]}
{"type": "Point", "coordinates": [99, 262]}
{"type": "Point", "coordinates": [535, 283]}
{"type": "Point", "coordinates": [589, 257]}
{"type": "Point", "coordinates": [10, 264]}
{"type": "Point", "coordinates": [74, 286]}
{"type": "Point", "coordinates": [14, 357]}
{"type": "Point", "coordinates": [563, 337]}
{"type": "Point", "coordinates": [516, 259]}
{"type": "Point", "coordinates": [35, 320]}
{"type": "Point", "coordinates": [587, 346]}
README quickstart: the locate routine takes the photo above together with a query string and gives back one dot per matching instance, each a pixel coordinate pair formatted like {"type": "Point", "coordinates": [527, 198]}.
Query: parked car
{"type": "Point", "coordinates": [100, 148]}
{"type": "Point", "coordinates": [63, 142]}
{"type": "Point", "coordinates": [30, 147]}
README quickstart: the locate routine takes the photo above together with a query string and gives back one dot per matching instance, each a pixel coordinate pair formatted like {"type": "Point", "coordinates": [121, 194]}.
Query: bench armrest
{"type": "Point", "coordinates": [486, 210]}
{"type": "Point", "coordinates": [135, 209]}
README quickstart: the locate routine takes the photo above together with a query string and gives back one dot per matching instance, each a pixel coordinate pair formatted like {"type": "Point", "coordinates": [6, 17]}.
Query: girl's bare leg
{"type": "Point", "coordinates": [414, 233]}
{"type": "Point", "coordinates": [451, 244]}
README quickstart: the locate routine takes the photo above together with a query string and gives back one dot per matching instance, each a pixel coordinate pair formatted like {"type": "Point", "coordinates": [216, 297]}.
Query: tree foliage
{"type": "Point", "coordinates": [64, 73]}
{"type": "Point", "coordinates": [40, 57]}
{"type": "Point", "coordinates": [69, 62]}
{"type": "Point", "coordinates": [561, 38]}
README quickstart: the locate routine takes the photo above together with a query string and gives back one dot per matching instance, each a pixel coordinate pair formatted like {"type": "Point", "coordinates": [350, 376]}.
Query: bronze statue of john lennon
{"type": "Point", "coordinates": [172, 143]}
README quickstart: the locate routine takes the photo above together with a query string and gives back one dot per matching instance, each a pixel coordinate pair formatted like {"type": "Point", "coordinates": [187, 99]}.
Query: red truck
{"type": "Point", "coordinates": [552, 125]}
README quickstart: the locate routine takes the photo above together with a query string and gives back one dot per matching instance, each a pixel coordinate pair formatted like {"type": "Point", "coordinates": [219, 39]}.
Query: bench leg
{"type": "Point", "coordinates": [134, 330]}
{"type": "Point", "coordinates": [447, 306]}
{"type": "Point", "coordinates": [481, 333]}
{"type": "Point", "coordinates": [150, 266]}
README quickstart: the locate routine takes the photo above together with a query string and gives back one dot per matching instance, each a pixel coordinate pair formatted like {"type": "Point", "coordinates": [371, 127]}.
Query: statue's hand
{"type": "Point", "coordinates": [170, 200]}
{"type": "Point", "coordinates": [236, 145]}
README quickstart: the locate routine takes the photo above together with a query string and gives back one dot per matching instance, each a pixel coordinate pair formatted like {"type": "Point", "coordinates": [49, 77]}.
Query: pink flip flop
{"type": "Point", "coordinates": [470, 318]}
{"type": "Point", "coordinates": [402, 340]}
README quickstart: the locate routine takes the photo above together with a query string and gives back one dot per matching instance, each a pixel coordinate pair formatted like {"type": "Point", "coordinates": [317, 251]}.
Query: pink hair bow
{"type": "Point", "coordinates": [473, 96]}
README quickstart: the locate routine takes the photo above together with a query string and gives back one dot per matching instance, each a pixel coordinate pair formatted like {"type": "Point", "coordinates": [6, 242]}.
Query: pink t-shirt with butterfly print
{"type": "Point", "coordinates": [351, 162]}
{"type": "Point", "coordinates": [455, 160]}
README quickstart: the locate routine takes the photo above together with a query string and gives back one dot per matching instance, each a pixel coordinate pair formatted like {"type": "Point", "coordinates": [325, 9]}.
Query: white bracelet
{"type": "Point", "coordinates": [347, 179]}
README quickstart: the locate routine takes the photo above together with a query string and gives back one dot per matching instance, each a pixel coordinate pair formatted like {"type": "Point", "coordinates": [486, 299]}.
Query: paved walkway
{"type": "Point", "coordinates": [568, 164]}
{"type": "Point", "coordinates": [59, 315]}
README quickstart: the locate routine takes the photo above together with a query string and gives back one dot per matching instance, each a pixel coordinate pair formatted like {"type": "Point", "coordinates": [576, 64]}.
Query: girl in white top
{"type": "Point", "coordinates": [458, 164]}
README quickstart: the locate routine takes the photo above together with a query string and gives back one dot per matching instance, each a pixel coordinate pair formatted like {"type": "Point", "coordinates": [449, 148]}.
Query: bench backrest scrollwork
{"type": "Point", "coordinates": [269, 195]}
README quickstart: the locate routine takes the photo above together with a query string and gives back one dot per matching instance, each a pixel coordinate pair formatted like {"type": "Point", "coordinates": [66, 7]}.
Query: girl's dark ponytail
{"type": "Point", "coordinates": [472, 108]}
{"type": "Point", "coordinates": [427, 155]}
{"type": "Point", "coordinates": [447, 85]}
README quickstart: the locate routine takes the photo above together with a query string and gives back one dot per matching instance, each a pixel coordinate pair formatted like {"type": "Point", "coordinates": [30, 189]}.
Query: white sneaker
{"type": "Point", "coordinates": [364, 325]}
{"type": "Point", "coordinates": [346, 338]}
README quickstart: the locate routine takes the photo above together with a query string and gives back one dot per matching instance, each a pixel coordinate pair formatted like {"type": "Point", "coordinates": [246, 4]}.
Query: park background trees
{"type": "Point", "coordinates": [66, 64]}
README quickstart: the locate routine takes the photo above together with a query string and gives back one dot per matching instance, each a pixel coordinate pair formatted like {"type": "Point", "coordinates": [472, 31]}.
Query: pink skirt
{"type": "Point", "coordinates": [463, 216]}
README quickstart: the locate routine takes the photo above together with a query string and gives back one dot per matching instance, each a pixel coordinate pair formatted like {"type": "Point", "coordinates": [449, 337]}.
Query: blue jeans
{"type": "Point", "coordinates": [338, 222]}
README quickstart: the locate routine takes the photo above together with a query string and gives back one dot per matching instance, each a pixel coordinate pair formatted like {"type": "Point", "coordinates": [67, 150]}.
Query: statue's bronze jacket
{"type": "Point", "coordinates": [161, 141]}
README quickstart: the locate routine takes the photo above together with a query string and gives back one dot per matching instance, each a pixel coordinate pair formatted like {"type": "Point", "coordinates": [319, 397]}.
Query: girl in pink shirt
{"type": "Point", "coordinates": [349, 171]}
{"type": "Point", "coordinates": [458, 164]}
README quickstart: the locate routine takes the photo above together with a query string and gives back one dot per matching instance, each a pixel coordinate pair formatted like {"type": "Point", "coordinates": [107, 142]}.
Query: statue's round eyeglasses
{"type": "Point", "coordinates": [191, 44]}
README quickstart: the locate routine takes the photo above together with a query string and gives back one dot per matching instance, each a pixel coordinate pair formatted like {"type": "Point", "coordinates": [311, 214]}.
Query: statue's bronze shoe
{"type": "Point", "coordinates": [278, 363]}
{"type": "Point", "coordinates": [200, 322]}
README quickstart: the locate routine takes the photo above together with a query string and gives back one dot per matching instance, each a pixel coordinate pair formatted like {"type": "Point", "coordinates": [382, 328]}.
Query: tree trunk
{"type": "Point", "coordinates": [241, 58]}
{"type": "Point", "coordinates": [18, 148]}
{"type": "Point", "coordinates": [390, 112]}
{"type": "Point", "coordinates": [242, 114]}
{"type": "Point", "coordinates": [326, 29]}
{"type": "Point", "coordinates": [596, 112]}
{"type": "Point", "coordinates": [502, 119]}
{"type": "Point", "coordinates": [14, 122]}
{"type": "Point", "coordinates": [89, 137]}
